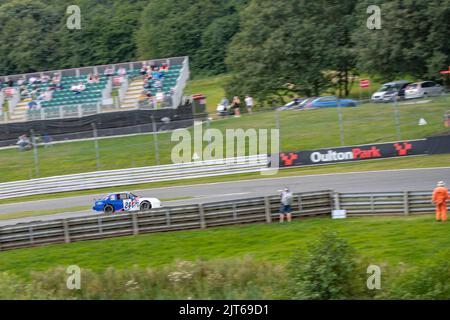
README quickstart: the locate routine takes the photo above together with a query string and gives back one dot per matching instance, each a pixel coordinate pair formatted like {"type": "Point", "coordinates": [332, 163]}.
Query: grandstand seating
{"type": "Point", "coordinates": [89, 99]}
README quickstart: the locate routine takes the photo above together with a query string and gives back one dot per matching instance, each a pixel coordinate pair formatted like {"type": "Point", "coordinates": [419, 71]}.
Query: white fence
{"type": "Point", "coordinates": [132, 176]}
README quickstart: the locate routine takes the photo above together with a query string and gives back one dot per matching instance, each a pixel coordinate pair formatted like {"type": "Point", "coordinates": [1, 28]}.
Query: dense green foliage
{"type": "Point", "coordinates": [244, 262]}
{"type": "Point", "coordinates": [272, 48]}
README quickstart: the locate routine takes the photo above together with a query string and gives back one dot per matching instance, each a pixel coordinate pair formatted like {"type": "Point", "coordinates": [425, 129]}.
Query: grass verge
{"type": "Point", "coordinates": [381, 240]}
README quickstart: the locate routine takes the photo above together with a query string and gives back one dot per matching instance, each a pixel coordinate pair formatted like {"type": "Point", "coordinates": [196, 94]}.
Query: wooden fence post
{"type": "Point", "coordinates": [337, 204]}
{"type": "Point", "coordinates": [372, 204]}
{"type": "Point", "coordinates": [30, 234]}
{"type": "Point", "coordinates": [201, 213]}
{"type": "Point", "coordinates": [66, 231]}
{"type": "Point", "coordinates": [406, 203]}
{"type": "Point", "coordinates": [168, 217]}
{"type": "Point", "coordinates": [134, 219]}
{"type": "Point", "coordinates": [300, 205]}
{"type": "Point", "coordinates": [234, 211]}
{"type": "Point", "coordinates": [268, 210]}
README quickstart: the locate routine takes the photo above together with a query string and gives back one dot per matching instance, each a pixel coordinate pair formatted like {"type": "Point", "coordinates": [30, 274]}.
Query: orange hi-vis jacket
{"type": "Point", "coordinates": [440, 195]}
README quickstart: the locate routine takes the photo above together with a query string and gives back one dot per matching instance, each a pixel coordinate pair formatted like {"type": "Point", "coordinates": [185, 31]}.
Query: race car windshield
{"type": "Point", "coordinates": [133, 195]}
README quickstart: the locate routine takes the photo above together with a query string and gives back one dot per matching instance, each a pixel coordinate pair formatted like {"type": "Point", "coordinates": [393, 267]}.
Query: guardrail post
{"type": "Point", "coordinates": [99, 222]}
{"type": "Point", "coordinates": [372, 204]}
{"type": "Point", "coordinates": [406, 203]}
{"type": "Point", "coordinates": [66, 231]}
{"type": "Point", "coordinates": [168, 217]}
{"type": "Point", "coordinates": [234, 211]}
{"type": "Point", "coordinates": [300, 205]}
{"type": "Point", "coordinates": [134, 219]}
{"type": "Point", "coordinates": [30, 232]}
{"type": "Point", "coordinates": [201, 213]}
{"type": "Point", "coordinates": [268, 210]}
{"type": "Point", "coordinates": [337, 204]}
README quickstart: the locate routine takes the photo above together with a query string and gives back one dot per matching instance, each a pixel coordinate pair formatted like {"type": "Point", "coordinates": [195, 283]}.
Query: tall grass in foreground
{"type": "Point", "coordinates": [328, 270]}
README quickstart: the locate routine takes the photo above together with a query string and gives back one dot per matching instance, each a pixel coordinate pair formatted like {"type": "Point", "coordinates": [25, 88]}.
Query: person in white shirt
{"type": "Point", "coordinates": [249, 103]}
{"type": "Point", "coordinates": [81, 87]}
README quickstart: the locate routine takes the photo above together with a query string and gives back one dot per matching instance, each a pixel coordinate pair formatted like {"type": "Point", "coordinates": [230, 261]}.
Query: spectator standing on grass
{"type": "Point", "coordinates": [440, 197]}
{"type": "Point", "coordinates": [249, 103]}
{"type": "Point", "coordinates": [286, 198]}
{"type": "Point", "coordinates": [236, 106]}
{"type": "Point", "coordinates": [225, 102]}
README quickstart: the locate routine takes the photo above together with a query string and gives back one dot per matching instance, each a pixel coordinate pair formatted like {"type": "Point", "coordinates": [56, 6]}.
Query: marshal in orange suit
{"type": "Point", "coordinates": [440, 196]}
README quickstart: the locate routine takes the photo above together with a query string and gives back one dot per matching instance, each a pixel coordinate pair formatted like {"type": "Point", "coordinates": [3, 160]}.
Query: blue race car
{"type": "Point", "coordinates": [125, 202]}
{"type": "Point", "coordinates": [331, 102]}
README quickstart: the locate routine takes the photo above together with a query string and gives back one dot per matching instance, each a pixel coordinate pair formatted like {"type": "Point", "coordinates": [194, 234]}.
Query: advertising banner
{"type": "Point", "coordinates": [353, 153]}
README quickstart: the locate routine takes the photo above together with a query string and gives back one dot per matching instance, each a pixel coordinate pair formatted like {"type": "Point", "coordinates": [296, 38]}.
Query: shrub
{"type": "Point", "coordinates": [327, 270]}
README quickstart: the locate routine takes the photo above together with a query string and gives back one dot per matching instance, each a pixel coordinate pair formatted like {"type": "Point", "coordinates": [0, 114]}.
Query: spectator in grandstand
{"type": "Point", "coordinates": [153, 66]}
{"type": "Point", "coordinates": [249, 103]}
{"type": "Point", "coordinates": [236, 106]}
{"type": "Point", "coordinates": [90, 78]}
{"type": "Point", "coordinates": [74, 87]}
{"type": "Point", "coordinates": [32, 105]}
{"type": "Point", "coordinates": [24, 143]}
{"type": "Point", "coordinates": [286, 199]}
{"type": "Point", "coordinates": [35, 92]}
{"type": "Point", "coordinates": [24, 92]}
{"type": "Point", "coordinates": [33, 80]}
{"type": "Point", "coordinates": [143, 70]}
{"type": "Point", "coordinates": [109, 71]}
{"type": "Point", "coordinates": [96, 78]}
{"type": "Point", "coordinates": [158, 84]}
{"type": "Point", "coordinates": [81, 87]}
{"type": "Point", "coordinates": [148, 76]}
{"type": "Point", "coordinates": [122, 72]}
{"type": "Point", "coordinates": [48, 95]}
{"type": "Point", "coordinates": [56, 79]}
{"type": "Point", "coordinates": [157, 75]}
{"type": "Point", "coordinates": [147, 84]}
{"type": "Point", "coordinates": [21, 81]}
{"type": "Point", "coordinates": [164, 68]}
{"type": "Point", "coordinates": [45, 78]}
{"type": "Point", "coordinates": [9, 82]}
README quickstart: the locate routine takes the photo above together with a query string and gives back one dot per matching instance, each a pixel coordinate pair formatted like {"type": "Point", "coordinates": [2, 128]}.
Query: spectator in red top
{"type": "Point", "coordinates": [164, 67]}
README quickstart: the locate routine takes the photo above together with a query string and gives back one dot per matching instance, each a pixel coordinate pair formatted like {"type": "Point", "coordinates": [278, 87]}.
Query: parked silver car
{"type": "Point", "coordinates": [423, 89]}
{"type": "Point", "coordinates": [390, 91]}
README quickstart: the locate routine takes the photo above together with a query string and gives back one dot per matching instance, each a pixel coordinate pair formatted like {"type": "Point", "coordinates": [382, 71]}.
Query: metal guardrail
{"type": "Point", "coordinates": [384, 203]}
{"type": "Point", "coordinates": [255, 210]}
{"type": "Point", "coordinates": [132, 176]}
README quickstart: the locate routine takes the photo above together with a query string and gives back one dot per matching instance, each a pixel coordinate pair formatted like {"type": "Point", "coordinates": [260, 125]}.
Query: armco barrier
{"type": "Point", "coordinates": [384, 203]}
{"type": "Point", "coordinates": [133, 176]}
{"type": "Point", "coordinates": [263, 209]}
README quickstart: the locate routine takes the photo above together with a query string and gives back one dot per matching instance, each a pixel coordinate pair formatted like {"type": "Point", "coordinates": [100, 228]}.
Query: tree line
{"type": "Point", "coordinates": [271, 48]}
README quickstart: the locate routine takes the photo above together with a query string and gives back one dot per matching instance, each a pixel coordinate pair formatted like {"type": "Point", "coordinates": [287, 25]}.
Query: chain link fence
{"type": "Point", "coordinates": [138, 145]}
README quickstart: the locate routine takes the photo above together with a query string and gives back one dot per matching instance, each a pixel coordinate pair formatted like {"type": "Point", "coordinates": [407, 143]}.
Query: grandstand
{"type": "Point", "coordinates": [80, 92]}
